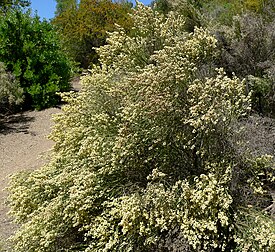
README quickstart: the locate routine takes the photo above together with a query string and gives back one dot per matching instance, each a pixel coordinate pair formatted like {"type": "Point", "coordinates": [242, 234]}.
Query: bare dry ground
{"type": "Point", "coordinates": [22, 142]}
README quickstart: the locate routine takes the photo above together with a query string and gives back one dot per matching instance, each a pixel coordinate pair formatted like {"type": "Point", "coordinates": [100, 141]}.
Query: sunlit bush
{"type": "Point", "coordinates": [142, 159]}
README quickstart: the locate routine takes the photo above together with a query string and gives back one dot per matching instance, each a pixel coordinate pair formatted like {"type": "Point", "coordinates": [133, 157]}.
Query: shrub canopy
{"type": "Point", "coordinates": [142, 158]}
{"type": "Point", "coordinates": [32, 53]}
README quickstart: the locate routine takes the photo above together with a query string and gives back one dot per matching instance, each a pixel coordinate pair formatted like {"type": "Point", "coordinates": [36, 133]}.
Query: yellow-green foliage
{"type": "Point", "coordinates": [224, 11]}
{"type": "Point", "coordinates": [141, 159]}
{"type": "Point", "coordinates": [85, 25]}
{"type": "Point", "coordinates": [255, 5]}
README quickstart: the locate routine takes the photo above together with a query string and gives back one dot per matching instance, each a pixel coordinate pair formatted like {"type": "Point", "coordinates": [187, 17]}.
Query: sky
{"type": "Point", "coordinates": [46, 8]}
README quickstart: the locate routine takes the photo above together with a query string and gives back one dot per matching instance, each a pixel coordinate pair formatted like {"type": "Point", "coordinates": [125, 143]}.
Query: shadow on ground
{"type": "Point", "coordinates": [17, 123]}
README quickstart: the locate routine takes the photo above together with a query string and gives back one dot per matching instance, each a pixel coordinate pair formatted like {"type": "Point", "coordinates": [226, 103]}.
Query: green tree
{"type": "Point", "coordinates": [65, 5]}
{"type": "Point", "coordinates": [22, 3]}
{"type": "Point", "coordinates": [142, 158]}
{"type": "Point", "coordinates": [86, 27]}
{"type": "Point", "coordinates": [31, 51]}
{"type": "Point", "coordinates": [5, 5]}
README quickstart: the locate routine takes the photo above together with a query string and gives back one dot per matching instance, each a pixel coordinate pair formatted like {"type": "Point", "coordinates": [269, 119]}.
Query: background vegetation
{"type": "Point", "coordinates": [245, 33]}
{"type": "Point", "coordinates": [32, 53]}
{"type": "Point", "coordinates": [84, 26]}
{"type": "Point", "coordinates": [42, 62]}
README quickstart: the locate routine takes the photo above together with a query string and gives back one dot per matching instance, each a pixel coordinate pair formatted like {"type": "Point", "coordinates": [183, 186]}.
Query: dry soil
{"type": "Point", "coordinates": [23, 144]}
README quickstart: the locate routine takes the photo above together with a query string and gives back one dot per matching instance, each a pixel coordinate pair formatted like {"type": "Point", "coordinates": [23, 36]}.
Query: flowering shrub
{"type": "Point", "coordinates": [142, 160]}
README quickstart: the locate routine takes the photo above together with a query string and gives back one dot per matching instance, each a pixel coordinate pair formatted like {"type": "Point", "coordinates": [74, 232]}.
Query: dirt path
{"type": "Point", "coordinates": [22, 141]}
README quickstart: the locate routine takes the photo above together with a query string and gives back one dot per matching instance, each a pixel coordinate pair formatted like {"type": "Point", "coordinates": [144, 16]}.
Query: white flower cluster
{"type": "Point", "coordinates": [216, 101]}
{"type": "Point", "coordinates": [255, 231]}
{"type": "Point", "coordinates": [200, 209]}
